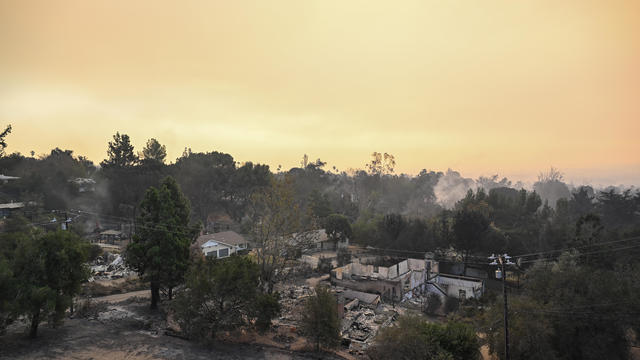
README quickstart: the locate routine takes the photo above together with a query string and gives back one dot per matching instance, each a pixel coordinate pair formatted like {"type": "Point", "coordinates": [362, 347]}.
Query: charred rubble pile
{"type": "Point", "coordinates": [109, 266]}
{"type": "Point", "coordinates": [362, 314]}
{"type": "Point", "coordinates": [292, 301]}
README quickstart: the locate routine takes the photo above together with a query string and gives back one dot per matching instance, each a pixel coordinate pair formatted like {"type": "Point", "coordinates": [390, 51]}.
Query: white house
{"type": "Point", "coordinates": [7, 209]}
{"type": "Point", "coordinates": [217, 250]}
{"type": "Point", "coordinates": [222, 244]}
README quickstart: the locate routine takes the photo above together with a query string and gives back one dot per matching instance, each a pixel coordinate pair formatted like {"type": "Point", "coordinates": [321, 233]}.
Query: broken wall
{"type": "Point", "coordinates": [416, 264]}
{"type": "Point", "coordinates": [472, 289]}
{"type": "Point", "coordinates": [387, 289]}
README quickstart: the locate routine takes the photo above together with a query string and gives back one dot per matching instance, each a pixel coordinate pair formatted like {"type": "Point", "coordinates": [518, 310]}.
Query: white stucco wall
{"type": "Point", "coordinates": [473, 289]}
{"type": "Point", "coordinates": [209, 249]}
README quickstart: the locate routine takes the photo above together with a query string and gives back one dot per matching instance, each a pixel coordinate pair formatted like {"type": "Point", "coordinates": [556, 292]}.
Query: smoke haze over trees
{"type": "Point", "coordinates": [426, 204]}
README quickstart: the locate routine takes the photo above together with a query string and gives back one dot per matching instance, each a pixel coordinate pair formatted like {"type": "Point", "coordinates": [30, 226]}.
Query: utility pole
{"type": "Point", "coordinates": [503, 260]}
{"type": "Point", "coordinates": [66, 221]}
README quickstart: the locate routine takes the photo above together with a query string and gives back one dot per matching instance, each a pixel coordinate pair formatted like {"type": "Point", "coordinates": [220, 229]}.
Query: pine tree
{"type": "Point", "coordinates": [159, 251]}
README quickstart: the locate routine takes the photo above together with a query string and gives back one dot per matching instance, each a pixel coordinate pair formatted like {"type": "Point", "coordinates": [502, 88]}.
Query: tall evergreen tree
{"type": "Point", "coordinates": [159, 251]}
{"type": "Point", "coordinates": [120, 152]}
{"type": "Point", "coordinates": [3, 143]}
{"type": "Point", "coordinates": [154, 151]}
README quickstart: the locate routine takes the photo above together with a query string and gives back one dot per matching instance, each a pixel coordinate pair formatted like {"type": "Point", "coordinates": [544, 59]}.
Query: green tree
{"type": "Point", "coordinates": [267, 307]}
{"type": "Point", "coordinates": [414, 338]}
{"type": "Point", "coordinates": [159, 251]}
{"type": "Point", "coordinates": [434, 303]}
{"type": "Point", "coordinates": [154, 151]}
{"type": "Point", "coordinates": [319, 205]}
{"type": "Point", "coordinates": [320, 320]}
{"type": "Point", "coordinates": [206, 179]}
{"type": "Point", "coordinates": [48, 271]}
{"type": "Point", "coordinates": [244, 182]}
{"type": "Point", "coordinates": [7, 293]}
{"type": "Point", "coordinates": [381, 163]}
{"type": "Point", "coordinates": [3, 143]}
{"type": "Point", "coordinates": [469, 228]}
{"type": "Point", "coordinates": [570, 310]}
{"type": "Point", "coordinates": [221, 295]}
{"type": "Point", "coordinates": [16, 231]}
{"type": "Point", "coordinates": [338, 227]}
{"type": "Point", "coordinates": [530, 335]}
{"type": "Point", "coordinates": [120, 152]}
{"type": "Point", "coordinates": [274, 218]}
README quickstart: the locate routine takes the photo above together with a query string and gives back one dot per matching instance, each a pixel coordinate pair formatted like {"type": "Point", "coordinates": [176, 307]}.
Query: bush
{"type": "Point", "coordinates": [324, 265]}
{"type": "Point", "coordinates": [414, 338]}
{"type": "Point", "coordinates": [94, 252]}
{"type": "Point", "coordinates": [320, 319]}
{"type": "Point", "coordinates": [433, 303]}
{"type": "Point", "coordinates": [222, 294]}
{"type": "Point", "coordinates": [267, 308]}
{"type": "Point", "coordinates": [451, 304]}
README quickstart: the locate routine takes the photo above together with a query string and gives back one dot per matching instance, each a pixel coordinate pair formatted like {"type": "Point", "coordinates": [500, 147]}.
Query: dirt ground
{"type": "Point", "coordinates": [126, 330]}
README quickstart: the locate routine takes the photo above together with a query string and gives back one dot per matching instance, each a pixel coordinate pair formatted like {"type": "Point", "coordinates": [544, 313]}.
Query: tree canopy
{"type": "Point", "coordinates": [48, 270]}
{"type": "Point", "coordinates": [320, 318]}
{"type": "Point", "coordinates": [154, 151]}
{"type": "Point", "coordinates": [414, 338]}
{"type": "Point", "coordinates": [160, 249]}
{"type": "Point", "coordinates": [223, 294]}
{"type": "Point", "coordinates": [3, 142]}
{"type": "Point", "coordinates": [120, 152]}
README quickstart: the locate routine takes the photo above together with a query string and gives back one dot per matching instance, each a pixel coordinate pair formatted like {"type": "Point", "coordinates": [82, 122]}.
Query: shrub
{"type": "Point", "coordinates": [320, 319]}
{"type": "Point", "coordinates": [451, 304]}
{"type": "Point", "coordinates": [433, 303]}
{"type": "Point", "coordinates": [324, 265]}
{"type": "Point", "coordinates": [267, 308]}
{"type": "Point", "coordinates": [414, 338]}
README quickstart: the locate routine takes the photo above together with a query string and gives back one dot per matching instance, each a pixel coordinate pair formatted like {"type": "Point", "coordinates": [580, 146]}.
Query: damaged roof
{"type": "Point", "coordinates": [366, 298]}
{"type": "Point", "coordinates": [315, 236]}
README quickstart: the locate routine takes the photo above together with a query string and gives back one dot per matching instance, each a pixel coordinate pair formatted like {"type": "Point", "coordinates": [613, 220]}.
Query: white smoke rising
{"type": "Point", "coordinates": [452, 187]}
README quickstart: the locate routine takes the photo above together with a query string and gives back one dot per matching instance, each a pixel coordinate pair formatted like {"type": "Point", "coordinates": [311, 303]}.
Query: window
{"type": "Point", "coordinates": [223, 252]}
{"type": "Point", "coordinates": [462, 294]}
{"type": "Point", "coordinates": [213, 253]}
{"type": "Point", "coordinates": [375, 269]}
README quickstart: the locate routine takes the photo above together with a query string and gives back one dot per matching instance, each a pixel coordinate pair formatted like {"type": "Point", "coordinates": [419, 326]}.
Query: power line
{"type": "Point", "coordinates": [589, 315]}
{"type": "Point", "coordinates": [587, 253]}
{"type": "Point", "coordinates": [572, 307]}
{"type": "Point", "coordinates": [578, 247]}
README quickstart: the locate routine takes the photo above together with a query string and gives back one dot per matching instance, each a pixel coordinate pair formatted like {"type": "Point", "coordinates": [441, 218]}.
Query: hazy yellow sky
{"type": "Point", "coordinates": [484, 87]}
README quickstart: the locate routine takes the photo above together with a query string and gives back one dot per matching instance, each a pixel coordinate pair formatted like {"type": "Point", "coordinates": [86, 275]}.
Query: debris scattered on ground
{"type": "Point", "coordinates": [109, 266]}
{"type": "Point", "coordinates": [361, 322]}
{"type": "Point", "coordinates": [292, 302]}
